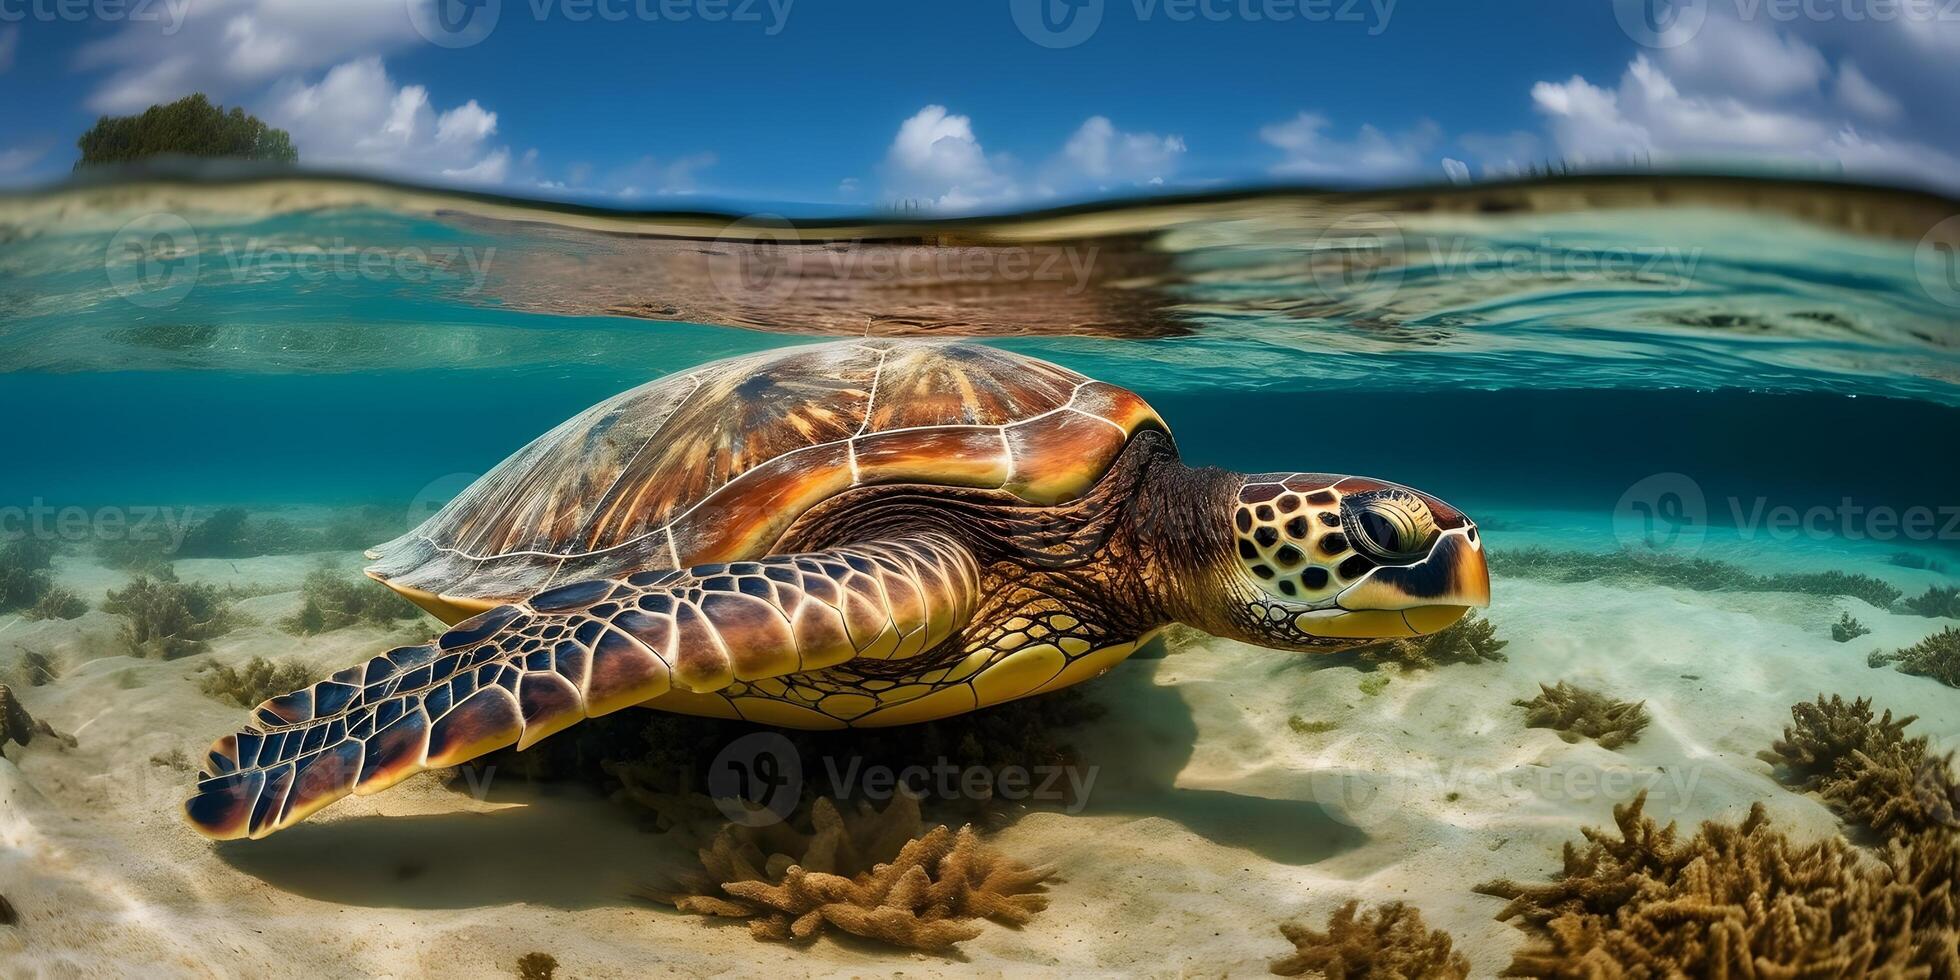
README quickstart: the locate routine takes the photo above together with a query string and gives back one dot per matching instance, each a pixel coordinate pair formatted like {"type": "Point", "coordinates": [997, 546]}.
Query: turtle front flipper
{"type": "Point", "coordinates": [519, 672]}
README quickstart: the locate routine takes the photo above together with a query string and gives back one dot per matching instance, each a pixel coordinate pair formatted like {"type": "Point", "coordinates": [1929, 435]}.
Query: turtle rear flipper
{"type": "Point", "coordinates": [519, 672]}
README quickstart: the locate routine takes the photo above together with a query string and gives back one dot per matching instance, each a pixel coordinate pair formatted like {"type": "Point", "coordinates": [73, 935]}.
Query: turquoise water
{"type": "Point", "coordinates": [164, 345]}
{"type": "Point", "coordinates": [1757, 383]}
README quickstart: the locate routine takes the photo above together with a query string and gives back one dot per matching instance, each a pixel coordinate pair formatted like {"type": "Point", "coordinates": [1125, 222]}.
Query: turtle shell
{"type": "Point", "coordinates": [714, 463]}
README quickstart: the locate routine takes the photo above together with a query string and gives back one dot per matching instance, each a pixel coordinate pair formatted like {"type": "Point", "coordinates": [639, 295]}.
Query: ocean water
{"type": "Point", "coordinates": [1757, 372]}
{"type": "Point", "coordinates": [336, 343]}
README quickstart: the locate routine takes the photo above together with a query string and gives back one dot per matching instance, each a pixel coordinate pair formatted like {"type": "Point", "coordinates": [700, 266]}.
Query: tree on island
{"type": "Point", "coordinates": [190, 126]}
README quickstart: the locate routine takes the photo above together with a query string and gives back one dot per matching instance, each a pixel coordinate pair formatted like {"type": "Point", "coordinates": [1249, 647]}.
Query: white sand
{"type": "Point", "coordinates": [1210, 819]}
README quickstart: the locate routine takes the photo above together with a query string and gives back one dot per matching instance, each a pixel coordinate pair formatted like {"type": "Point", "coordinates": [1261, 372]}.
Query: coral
{"type": "Point", "coordinates": [261, 679]}
{"type": "Point", "coordinates": [58, 603]}
{"type": "Point", "coordinates": [222, 535]}
{"type": "Point", "coordinates": [1847, 629]}
{"type": "Point", "coordinates": [17, 726]}
{"type": "Point", "coordinates": [1868, 771]}
{"type": "Point", "coordinates": [168, 618]}
{"type": "Point", "coordinates": [1936, 602]}
{"type": "Point", "coordinates": [1472, 640]}
{"type": "Point", "coordinates": [1698, 574]}
{"type": "Point", "coordinates": [1878, 592]}
{"type": "Point", "coordinates": [173, 759]}
{"type": "Point", "coordinates": [1301, 726]}
{"type": "Point", "coordinates": [875, 874]}
{"type": "Point", "coordinates": [148, 555]}
{"type": "Point", "coordinates": [37, 667]}
{"type": "Point", "coordinates": [1576, 712]}
{"type": "Point", "coordinates": [1385, 941]}
{"type": "Point", "coordinates": [1913, 559]}
{"type": "Point", "coordinates": [332, 600]}
{"type": "Point", "coordinates": [660, 756]}
{"type": "Point", "coordinates": [537, 966]}
{"type": "Point", "coordinates": [1737, 900]}
{"type": "Point", "coordinates": [24, 575]}
{"type": "Point", "coordinates": [1937, 656]}
{"type": "Point", "coordinates": [232, 532]}
{"type": "Point", "coordinates": [1828, 732]}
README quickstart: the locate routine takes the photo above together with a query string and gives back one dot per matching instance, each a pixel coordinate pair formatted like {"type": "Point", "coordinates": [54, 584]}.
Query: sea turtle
{"type": "Point", "coordinates": [851, 534]}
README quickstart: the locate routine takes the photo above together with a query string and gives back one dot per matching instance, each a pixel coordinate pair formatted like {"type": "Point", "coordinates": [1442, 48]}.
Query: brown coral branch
{"type": "Point", "coordinates": [1473, 640]}
{"type": "Point", "coordinates": [16, 725]}
{"type": "Point", "coordinates": [1738, 900]}
{"type": "Point", "coordinates": [1576, 712]}
{"type": "Point", "coordinates": [1385, 941]}
{"type": "Point", "coordinates": [878, 874]}
{"type": "Point", "coordinates": [1866, 769]}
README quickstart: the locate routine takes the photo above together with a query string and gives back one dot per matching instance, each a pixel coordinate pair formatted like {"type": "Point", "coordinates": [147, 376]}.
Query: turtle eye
{"type": "Point", "coordinates": [1390, 525]}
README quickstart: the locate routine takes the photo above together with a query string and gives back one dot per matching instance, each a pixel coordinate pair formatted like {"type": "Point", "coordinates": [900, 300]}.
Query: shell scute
{"type": "Point", "coordinates": [715, 463]}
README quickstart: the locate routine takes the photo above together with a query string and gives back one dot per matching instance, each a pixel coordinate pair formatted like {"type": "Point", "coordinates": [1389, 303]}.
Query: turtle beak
{"type": "Point", "coordinates": [1413, 598]}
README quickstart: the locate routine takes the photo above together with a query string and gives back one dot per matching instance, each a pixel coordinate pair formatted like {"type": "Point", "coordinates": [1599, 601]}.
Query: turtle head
{"type": "Point", "coordinates": [1324, 562]}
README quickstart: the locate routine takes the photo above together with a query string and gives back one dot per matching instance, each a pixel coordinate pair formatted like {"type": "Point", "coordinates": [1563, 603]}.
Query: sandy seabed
{"type": "Point", "coordinates": [1210, 819]}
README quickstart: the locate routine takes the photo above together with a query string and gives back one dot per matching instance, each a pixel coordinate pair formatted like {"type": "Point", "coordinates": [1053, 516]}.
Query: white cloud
{"type": "Point", "coordinates": [937, 160]}
{"type": "Point", "coordinates": [357, 117]}
{"type": "Point", "coordinates": [228, 48]}
{"type": "Point", "coordinates": [651, 176]}
{"type": "Point", "coordinates": [1372, 154]}
{"type": "Point", "coordinates": [1752, 59]}
{"type": "Point", "coordinates": [1860, 95]}
{"type": "Point", "coordinates": [1648, 118]}
{"type": "Point", "coordinates": [17, 159]}
{"type": "Point", "coordinates": [1456, 170]}
{"type": "Point", "coordinates": [9, 46]}
{"type": "Point", "coordinates": [1101, 153]}
{"type": "Point", "coordinates": [935, 157]}
{"type": "Point", "coordinates": [1505, 153]}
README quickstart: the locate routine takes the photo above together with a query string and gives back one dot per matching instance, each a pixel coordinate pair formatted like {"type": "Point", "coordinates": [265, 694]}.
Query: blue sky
{"type": "Point", "coordinates": [955, 106]}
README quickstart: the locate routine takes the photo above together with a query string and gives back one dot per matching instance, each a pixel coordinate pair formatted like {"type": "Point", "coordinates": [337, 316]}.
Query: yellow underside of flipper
{"type": "Point", "coordinates": [1036, 669]}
